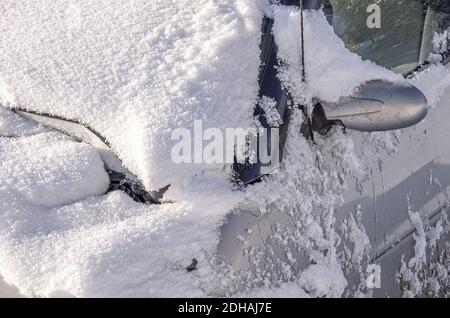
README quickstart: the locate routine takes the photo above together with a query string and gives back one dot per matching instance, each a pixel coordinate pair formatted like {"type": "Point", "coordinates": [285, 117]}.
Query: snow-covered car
{"type": "Point", "coordinates": [354, 93]}
{"type": "Point", "coordinates": [404, 202]}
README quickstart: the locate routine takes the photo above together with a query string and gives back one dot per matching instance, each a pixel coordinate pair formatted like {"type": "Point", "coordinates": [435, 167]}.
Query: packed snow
{"type": "Point", "coordinates": [134, 70]}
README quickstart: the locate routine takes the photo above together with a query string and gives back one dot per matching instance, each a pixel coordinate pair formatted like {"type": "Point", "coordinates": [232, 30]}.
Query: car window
{"type": "Point", "coordinates": [401, 41]}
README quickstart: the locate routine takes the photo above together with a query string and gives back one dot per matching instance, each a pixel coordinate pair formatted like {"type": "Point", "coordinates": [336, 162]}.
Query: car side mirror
{"type": "Point", "coordinates": [378, 106]}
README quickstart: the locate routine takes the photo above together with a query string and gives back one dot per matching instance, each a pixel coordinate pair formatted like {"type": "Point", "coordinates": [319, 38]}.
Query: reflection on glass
{"type": "Point", "coordinates": [404, 40]}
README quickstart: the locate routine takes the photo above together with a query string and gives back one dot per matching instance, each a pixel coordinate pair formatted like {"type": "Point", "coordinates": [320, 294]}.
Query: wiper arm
{"type": "Point", "coordinates": [120, 177]}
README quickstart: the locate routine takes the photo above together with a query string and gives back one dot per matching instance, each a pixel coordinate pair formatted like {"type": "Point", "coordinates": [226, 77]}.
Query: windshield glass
{"type": "Point", "coordinates": [403, 37]}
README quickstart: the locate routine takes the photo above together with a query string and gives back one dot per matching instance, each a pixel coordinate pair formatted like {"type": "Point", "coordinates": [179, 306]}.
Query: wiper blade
{"type": "Point", "coordinates": [120, 177]}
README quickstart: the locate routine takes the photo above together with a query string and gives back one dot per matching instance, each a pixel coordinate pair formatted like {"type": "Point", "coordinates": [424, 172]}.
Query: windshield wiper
{"type": "Point", "coordinates": [120, 177]}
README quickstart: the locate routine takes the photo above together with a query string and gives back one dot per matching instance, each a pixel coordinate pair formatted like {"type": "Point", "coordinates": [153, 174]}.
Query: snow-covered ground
{"type": "Point", "coordinates": [135, 70]}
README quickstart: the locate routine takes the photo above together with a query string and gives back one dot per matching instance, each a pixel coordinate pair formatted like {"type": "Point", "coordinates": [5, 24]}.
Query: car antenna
{"type": "Point", "coordinates": [302, 33]}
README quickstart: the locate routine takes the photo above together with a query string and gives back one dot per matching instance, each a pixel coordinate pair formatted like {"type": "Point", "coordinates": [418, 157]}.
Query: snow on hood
{"type": "Point", "coordinates": [134, 87]}
{"type": "Point", "coordinates": [134, 70]}
{"type": "Point", "coordinates": [134, 73]}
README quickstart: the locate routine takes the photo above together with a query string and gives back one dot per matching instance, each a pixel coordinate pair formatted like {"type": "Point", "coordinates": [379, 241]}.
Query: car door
{"type": "Point", "coordinates": [409, 169]}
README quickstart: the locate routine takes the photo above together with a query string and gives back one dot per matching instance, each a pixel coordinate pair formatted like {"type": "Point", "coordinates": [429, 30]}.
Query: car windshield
{"type": "Point", "coordinates": [401, 41]}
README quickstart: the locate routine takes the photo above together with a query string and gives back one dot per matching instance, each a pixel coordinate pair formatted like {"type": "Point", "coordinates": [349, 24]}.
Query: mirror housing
{"type": "Point", "coordinates": [378, 106]}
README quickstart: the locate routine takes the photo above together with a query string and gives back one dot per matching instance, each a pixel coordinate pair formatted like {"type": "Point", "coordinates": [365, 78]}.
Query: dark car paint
{"type": "Point", "coordinates": [271, 86]}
